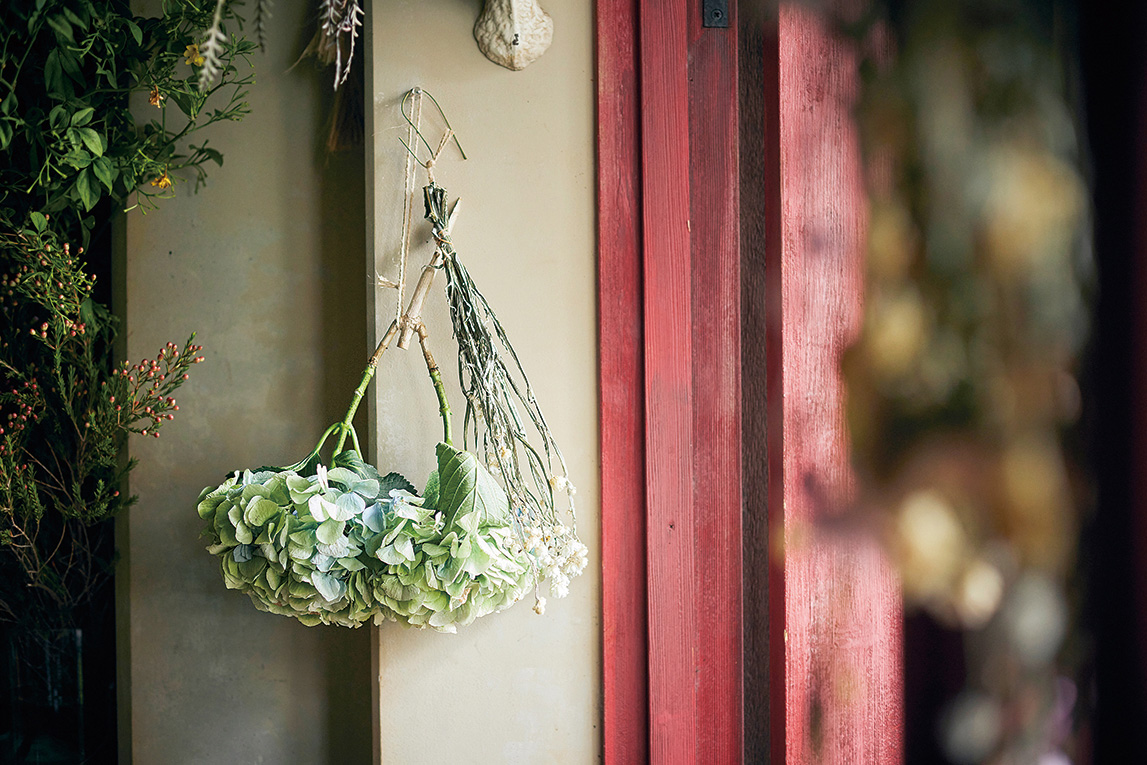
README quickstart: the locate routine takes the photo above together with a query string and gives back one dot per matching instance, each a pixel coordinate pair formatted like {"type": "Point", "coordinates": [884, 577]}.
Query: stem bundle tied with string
{"type": "Point", "coordinates": [343, 544]}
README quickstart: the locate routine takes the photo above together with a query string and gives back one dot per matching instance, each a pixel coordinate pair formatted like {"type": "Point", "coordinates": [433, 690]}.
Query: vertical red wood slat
{"type": "Point", "coordinates": [668, 381]}
{"type": "Point", "coordinates": [622, 380]}
{"type": "Point", "coordinates": [775, 389]}
{"type": "Point", "coordinates": [842, 603]}
{"type": "Point", "coordinates": [714, 166]}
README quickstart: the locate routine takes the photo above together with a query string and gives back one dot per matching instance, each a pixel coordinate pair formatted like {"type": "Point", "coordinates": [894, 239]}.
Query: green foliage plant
{"type": "Point", "coordinates": [69, 141]}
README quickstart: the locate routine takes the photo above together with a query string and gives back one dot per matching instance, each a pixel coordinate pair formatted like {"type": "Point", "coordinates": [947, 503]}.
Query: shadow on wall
{"type": "Point", "coordinates": [343, 338]}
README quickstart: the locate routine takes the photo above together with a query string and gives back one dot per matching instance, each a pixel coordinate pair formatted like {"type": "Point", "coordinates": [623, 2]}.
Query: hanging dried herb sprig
{"type": "Point", "coordinates": [502, 414]}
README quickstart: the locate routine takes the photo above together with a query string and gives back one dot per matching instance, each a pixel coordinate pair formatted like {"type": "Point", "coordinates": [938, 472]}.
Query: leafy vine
{"type": "Point", "coordinates": [72, 150]}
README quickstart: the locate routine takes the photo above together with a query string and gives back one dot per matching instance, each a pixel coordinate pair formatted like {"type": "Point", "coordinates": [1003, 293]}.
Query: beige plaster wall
{"type": "Point", "coordinates": [266, 264]}
{"type": "Point", "coordinates": [513, 687]}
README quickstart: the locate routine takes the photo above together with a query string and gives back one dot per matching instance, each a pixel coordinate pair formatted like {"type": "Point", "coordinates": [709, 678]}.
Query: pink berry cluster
{"type": "Point", "coordinates": [144, 401]}
{"type": "Point", "coordinates": [54, 280]}
{"type": "Point", "coordinates": [25, 405]}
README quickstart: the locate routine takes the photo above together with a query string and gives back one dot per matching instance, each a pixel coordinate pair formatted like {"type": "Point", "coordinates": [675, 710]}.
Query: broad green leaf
{"type": "Point", "coordinates": [71, 66]}
{"type": "Point", "coordinates": [5, 134]}
{"type": "Point", "coordinates": [82, 117]}
{"type": "Point", "coordinates": [74, 18]}
{"type": "Point", "coordinates": [105, 171]}
{"type": "Point", "coordinates": [465, 486]}
{"type": "Point", "coordinates": [93, 140]}
{"type": "Point", "coordinates": [62, 28]}
{"type": "Point", "coordinates": [78, 158]}
{"type": "Point", "coordinates": [86, 189]}
{"type": "Point", "coordinates": [431, 491]}
{"type": "Point", "coordinates": [40, 222]}
{"type": "Point", "coordinates": [53, 79]}
{"type": "Point", "coordinates": [392, 481]}
{"type": "Point", "coordinates": [136, 32]}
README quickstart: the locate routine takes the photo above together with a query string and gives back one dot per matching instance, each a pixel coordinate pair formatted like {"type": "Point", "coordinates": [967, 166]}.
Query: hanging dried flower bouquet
{"type": "Point", "coordinates": [340, 543]}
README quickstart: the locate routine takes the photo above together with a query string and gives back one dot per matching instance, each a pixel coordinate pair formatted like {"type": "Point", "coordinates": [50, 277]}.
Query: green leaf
{"type": "Point", "coordinates": [392, 481]}
{"type": "Point", "coordinates": [82, 116]}
{"type": "Point", "coordinates": [466, 486]}
{"type": "Point", "coordinates": [71, 66]}
{"type": "Point", "coordinates": [88, 191]}
{"type": "Point", "coordinates": [53, 74]}
{"type": "Point", "coordinates": [78, 158]}
{"type": "Point", "coordinates": [136, 32]}
{"type": "Point", "coordinates": [93, 140]}
{"type": "Point", "coordinates": [40, 223]}
{"type": "Point", "coordinates": [71, 16]}
{"type": "Point", "coordinates": [58, 117]}
{"type": "Point", "coordinates": [62, 28]}
{"type": "Point", "coordinates": [184, 103]}
{"type": "Point", "coordinates": [431, 491]}
{"type": "Point", "coordinates": [5, 134]}
{"type": "Point", "coordinates": [105, 171]}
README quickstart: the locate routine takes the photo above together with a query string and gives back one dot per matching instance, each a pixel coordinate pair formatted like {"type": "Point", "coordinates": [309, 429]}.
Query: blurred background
{"type": "Point", "coordinates": [996, 389]}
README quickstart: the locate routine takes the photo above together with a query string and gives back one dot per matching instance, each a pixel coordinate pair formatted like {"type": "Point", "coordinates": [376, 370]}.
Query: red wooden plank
{"type": "Point", "coordinates": [714, 164]}
{"type": "Point", "coordinates": [775, 387]}
{"type": "Point", "coordinates": [668, 381]}
{"type": "Point", "coordinates": [842, 603]}
{"type": "Point", "coordinates": [622, 380]}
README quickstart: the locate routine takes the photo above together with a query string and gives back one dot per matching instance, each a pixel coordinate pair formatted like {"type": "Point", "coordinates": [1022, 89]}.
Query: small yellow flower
{"type": "Point", "coordinates": [193, 56]}
{"type": "Point", "coordinates": [156, 98]}
{"type": "Point", "coordinates": [163, 181]}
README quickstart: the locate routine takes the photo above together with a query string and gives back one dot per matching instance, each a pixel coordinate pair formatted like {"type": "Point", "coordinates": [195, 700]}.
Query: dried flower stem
{"type": "Point", "coordinates": [410, 320]}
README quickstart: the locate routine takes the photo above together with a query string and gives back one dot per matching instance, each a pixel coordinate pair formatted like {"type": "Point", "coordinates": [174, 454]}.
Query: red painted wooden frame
{"type": "Point", "coordinates": [670, 345]}
{"type": "Point", "coordinates": [670, 234]}
{"type": "Point", "coordinates": [622, 385]}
